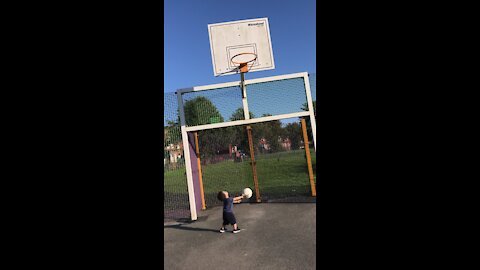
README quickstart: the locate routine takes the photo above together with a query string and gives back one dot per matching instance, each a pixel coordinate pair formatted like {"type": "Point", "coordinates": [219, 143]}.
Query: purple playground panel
{"type": "Point", "coordinates": [195, 174]}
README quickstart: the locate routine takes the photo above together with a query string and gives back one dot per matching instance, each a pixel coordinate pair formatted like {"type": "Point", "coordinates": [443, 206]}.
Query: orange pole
{"type": "Point", "coordinates": [254, 168]}
{"type": "Point", "coordinates": [309, 160]}
{"type": "Point", "coordinates": [200, 171]}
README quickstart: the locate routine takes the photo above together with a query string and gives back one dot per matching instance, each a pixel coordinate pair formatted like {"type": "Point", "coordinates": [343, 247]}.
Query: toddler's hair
{"type": "Point", "coordinates": [220, 196]}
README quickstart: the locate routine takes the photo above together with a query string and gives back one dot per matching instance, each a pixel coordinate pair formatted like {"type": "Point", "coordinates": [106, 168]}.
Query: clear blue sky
{"type": "Point", "coordinates": [187, 55]}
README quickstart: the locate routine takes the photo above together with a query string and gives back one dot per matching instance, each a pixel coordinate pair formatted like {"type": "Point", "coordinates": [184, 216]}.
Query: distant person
{"type": "Point", "coordinates": [228, 216]}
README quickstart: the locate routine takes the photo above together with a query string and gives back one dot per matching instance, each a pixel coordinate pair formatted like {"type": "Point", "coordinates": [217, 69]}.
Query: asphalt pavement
{"type": "Point", "coordinates": [274, 236]}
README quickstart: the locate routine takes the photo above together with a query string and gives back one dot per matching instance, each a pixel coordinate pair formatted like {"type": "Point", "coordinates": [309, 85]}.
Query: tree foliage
{"type": "Point", "coordinates": [239, 114]}
{"type": "Point", "coordinates": [201, 111]}
{"type": "Point", "coordinates": [172, 134]}
{"type": "Point", "coordinates": [239, 133]}
{"type": "Point", "coordinates": [293, 131]}
{"type": "Point", "coordinates": [270, 131]}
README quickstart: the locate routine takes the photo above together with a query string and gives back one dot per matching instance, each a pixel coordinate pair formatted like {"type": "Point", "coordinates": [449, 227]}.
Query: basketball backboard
{"type": "Point", "coordinates": [237, 37]}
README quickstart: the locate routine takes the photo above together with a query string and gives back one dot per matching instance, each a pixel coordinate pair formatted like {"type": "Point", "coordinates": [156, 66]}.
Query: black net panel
{"type": "Point", "coordinates": [281, 161]}
{"type": "Point", "coordinates": [224, 163]}
{"type": "Point", "coordinates": [224, 152]}
{"type": "Point", "coordinates": [264, 99]}
{"type": "Point", "coordinates": [213, 106]}
{"type": "Point", "coordinates": [277, 97]}
{"type": "Point", "coordinates": [176, 202]}
{"type": "Point", "coordinates": [279, 152]}
{"type": "Point", "coordinates": [312, 78]}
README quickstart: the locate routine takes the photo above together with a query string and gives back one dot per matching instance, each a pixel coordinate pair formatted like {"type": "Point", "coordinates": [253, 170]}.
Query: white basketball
{"type": "Point", "coordinates": [247, 191]}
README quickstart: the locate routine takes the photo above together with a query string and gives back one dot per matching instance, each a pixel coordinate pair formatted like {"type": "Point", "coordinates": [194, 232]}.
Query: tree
{"type": "Point", "coordinates": [271, 131]}
{"type": "Point", "coordinates": [238, 134]}
{"type": "Point", "coordinates": [305, 107]}
{"type": "Point", "coordinates": [293, 131]}
{"type": "Point", "coordinates": [172, 133]}
{"type": "Point", "coordinates": [240, 115]}
{"type": "Point", "coordinates": [201, 111]}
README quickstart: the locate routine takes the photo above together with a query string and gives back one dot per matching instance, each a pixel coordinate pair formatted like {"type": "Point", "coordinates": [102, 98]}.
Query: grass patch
{"type": "Point", "coordinates": [279, 174]}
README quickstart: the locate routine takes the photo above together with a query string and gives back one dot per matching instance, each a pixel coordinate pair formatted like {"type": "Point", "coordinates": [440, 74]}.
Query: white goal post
{"type": "Point", "coordinates": [185, 128]}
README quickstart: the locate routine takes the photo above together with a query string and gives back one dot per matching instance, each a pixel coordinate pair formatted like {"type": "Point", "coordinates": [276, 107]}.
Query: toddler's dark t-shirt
{"type": "Point", "coordinates": [228, 205]}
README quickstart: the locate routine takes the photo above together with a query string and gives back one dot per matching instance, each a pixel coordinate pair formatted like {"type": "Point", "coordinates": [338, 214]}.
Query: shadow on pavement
{"type": "Point", "coordinates": [181, 227]}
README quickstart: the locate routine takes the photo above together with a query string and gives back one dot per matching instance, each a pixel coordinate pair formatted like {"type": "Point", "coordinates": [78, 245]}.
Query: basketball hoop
{"type": "Point", "coordinates": [242, 60]}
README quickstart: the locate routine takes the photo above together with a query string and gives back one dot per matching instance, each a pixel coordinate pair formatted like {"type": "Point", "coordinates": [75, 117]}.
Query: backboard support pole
{"type": "Point", "coordinates": [246, 113]}
{"type": "Point", "coordinates": [250, 137]}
